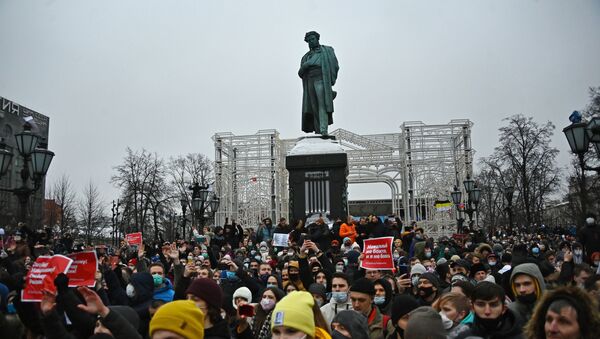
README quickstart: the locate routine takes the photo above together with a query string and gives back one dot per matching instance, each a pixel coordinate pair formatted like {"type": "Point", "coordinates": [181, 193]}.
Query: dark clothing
{"type": "Point", "coordinates": [589, 237]}
{"type": "Point", "coordinates": [219, 330]}
{"type": "Point", "coordinates": [509, 328]}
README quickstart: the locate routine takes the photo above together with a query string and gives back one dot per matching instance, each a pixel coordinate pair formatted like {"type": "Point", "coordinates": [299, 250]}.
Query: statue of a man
{"type": "Point", "coordinates": [318, 70]}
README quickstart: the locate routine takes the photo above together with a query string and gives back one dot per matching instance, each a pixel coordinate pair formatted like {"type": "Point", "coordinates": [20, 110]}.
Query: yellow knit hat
{"type": "Point", "coordinates": [295, 311]}
{"type": "Point", "coordinates": [182, 317]}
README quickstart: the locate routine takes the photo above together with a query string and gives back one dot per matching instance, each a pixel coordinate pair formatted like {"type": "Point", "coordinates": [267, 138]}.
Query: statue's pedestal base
{"type": "Point", "coordinates": [318, 184]}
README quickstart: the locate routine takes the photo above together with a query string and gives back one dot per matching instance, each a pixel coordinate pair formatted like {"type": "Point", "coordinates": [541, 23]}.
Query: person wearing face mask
{"type": "Point", "coordinates": [339, 297]}
{"type": "Point", "coordinates": [362, 293]}
{"type": "Point", "coordinates": [319, 293]}
{"type": "Point", "coordinates": [527, 284]}
{"type": "Point", "coordinates": [261, 322]}
{"type": "Point", "coordinates": [383, 296]}
{"type": "Point", "coordinates": [589, 237]}
{"type": "Point", "coordinates": [208, 297]}
{"type": "Point", "coordinates": [453, 307]}
{"type": "Point", "coordinates": [163, 289]}
{"type": "Point", "coordinates": [401, 307]}
{"type": "Point", "coordinates": [493, 319]}
{"type": "Point", "coordinates": [349, 325]}
{"type": "Point", "coordinates": [428, 289]}
{"type": "Point", "coordinates": [140, 292]}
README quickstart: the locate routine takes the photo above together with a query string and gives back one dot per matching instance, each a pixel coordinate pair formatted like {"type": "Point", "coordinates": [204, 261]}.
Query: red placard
{"type": "Point", "coordinates": [83, 269]}
{"type": "Point", "coordinates": [42, 274]}
{"type": "Point", "coordinates": [377, 254]}
{"type": "Point", "coordinates": [134, 238]}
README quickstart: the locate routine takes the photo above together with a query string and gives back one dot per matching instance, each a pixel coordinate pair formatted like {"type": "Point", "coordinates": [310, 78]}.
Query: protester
{"type": "Point", "coordinates": [362, 293]}
{"type": "Point", "coordinates": [566, 312]}
{"type": "Point", "coordinates": [178, 319]}
{"type": "Point", "coordinates": [294, 317]}
{"type": "Point", "coordinates": [349, 324]}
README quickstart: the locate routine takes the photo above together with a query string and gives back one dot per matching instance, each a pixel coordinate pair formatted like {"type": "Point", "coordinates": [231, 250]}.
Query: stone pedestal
{"type": "Point", "coordinates": [318, 184]}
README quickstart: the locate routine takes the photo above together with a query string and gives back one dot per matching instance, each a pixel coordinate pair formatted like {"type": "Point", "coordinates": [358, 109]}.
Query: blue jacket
{"type": "Point", "coordinates": [165, 293]}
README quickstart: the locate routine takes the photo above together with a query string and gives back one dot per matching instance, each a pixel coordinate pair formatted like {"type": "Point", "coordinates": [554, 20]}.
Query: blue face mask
{"type": "Point", "coordinates": [379, 300]}
{"type": "Point", "coordinates": [271, 285]}
{"type": "Point", "coordinates": [158, 280]}
{"type": "Point", "coordinates": [10, 309]}
{"type": "Point", "coordinates": [339, 297]}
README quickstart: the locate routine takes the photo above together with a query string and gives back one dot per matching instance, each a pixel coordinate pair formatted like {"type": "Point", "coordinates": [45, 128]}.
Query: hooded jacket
{"type": "Point", "coordinates": [525, 310]}
{"type": "Point", "coordinates": [144, 291]}
{"type": "Point", "coordinates": [166, 292]}
{"type": "Point", "coordinates": [510, 327]}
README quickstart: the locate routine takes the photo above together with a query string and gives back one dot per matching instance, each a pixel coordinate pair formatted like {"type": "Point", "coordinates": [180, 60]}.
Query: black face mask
{"type": "Point", "coordinates": [293, 276]}
{"type": "Point", "coordinates": [337, 335]}
{"type": "Point", "coordinates": [487, 324]}
{"type": "Point", "coordinates": [527, 298]}
{"type": "Point", "coordinates": [427, 291]}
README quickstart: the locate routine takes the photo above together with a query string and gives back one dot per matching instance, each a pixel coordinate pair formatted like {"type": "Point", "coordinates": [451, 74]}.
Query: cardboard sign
{"type": "Point", "coordinates": [83, 269]}
{"type": "Point", "coordinates": [42, 274]}
{"type": "Point", "coordinates": [377, 254]}
{"type": "Point", "coordinates": [280, 239]}
{"type": "Point", "coordinates": [134, 238]}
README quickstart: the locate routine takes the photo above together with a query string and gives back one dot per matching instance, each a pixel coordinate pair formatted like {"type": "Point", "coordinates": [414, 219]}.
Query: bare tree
{"type": "Point", "coordinates": [525, 158]}
{"type": "Point", "coordinates": [66, 199]}
{"type": "Point", "coordinates": [91, 213]}
{"type": "Point", "coordinates": [141, 178]}
{"type": "Point", "coordinates": [185, 170]}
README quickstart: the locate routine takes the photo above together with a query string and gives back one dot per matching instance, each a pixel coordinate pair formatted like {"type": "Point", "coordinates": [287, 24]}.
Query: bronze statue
{"type": "Point", "coordinates": [318, 70]}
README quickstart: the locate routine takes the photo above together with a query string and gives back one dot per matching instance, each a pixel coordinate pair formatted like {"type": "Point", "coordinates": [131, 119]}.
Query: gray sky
{"type": "Point", "coordinates": [167, 75]}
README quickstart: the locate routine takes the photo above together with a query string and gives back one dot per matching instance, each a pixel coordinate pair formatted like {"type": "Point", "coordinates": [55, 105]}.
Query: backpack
{"type": "Point", "coordinates": [384, 322]}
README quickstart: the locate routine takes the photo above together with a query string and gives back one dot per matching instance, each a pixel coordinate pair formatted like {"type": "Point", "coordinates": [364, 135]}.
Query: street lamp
{"type": "Point", "coordinates": [203, 201]}
{"type": "Point", "coordinates": [184, 204]}
{"type": "Point", "coordinates": [456, 200]}
{"type": "Point", "coordinates": [36, 161]}
{"type": "Point", "coordinates": [579, 135]}
{"type": "Point", "coordinates": [473, 198]}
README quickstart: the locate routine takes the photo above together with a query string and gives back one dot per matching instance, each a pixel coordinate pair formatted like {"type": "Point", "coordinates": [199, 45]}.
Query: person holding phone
{"type": "Point", "coordinates": [262, 312]}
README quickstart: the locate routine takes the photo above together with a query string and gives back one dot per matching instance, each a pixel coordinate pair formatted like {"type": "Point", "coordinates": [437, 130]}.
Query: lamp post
{"type": "Point", "coordinates": [115, 218]}
{"type": "Point", "coordinates": [184, 204]}
{"type": "Point", "coordinates": [36, 161]}
{"type": "Point", "coordinates": [203, 201]}
{"type": "Point", "coordinates": [473, 198]}
{"type": "Point", "coordinates": [456, 200]}
{"type": "Point", "coordinates": [508, 195]}
{"type": "Point", "coordinates": [579, 135]}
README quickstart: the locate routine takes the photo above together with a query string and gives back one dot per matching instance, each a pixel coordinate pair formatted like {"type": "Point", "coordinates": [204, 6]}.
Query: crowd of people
{"type": "Point", "coordinates": [237, 282]}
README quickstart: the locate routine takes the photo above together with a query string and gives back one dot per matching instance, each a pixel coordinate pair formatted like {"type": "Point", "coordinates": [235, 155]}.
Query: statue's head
{"type": "Point", "coordinates": [312, 38]}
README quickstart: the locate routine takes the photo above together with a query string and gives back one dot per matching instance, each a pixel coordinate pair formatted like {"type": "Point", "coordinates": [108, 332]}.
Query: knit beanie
{"type": "Point", "coordinates": [433, 279]}
{"type": "Point", "coordinates": [477, 268]}
{"type": "Point", "coordinates": [318, 289]}
{"type": "Point", "coordinates": [363, 285]}
{"type": "Point", "coordinates": [182, 317]}
{"type": "Point", "coordinates": [295, 311]}
{"type": "Point", "coordinates": [242, 292]}
{"type": "Point", "coordinates": [418, 269]}
{"type": "Point", "coordinates": [354, 322]}
{"type": "Point", "coordinates": [402, 305]}
{"type": "Point", "coordinates": [424, 322]}
{"type": "Point", "coordinates": [207, 290]}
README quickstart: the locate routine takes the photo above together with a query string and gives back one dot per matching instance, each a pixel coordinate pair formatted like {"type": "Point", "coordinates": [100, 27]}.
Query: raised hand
{"type": "Point", "coordinates": [48, 302]}
{"type": "Point", "coordinates": [94, 304]}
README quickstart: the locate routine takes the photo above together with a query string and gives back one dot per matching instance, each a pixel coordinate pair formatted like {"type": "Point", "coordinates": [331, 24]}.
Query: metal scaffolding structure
{"type": "Point", "coordinates": [250, 177]}
{"type": "Point", "coordinates": [420, 164]}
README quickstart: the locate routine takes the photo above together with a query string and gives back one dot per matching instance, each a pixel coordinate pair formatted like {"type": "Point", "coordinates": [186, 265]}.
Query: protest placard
{"type": "Point", "coordinates": [83, 269]}
{"type": "Point", "coordinates": [42, 274]}
{"type": "Point", "coordinates": [134, 238]}
{"type": "Point", "coordinates": [280, 239]}
{"type": "Point", "coordinates": [377, 254]}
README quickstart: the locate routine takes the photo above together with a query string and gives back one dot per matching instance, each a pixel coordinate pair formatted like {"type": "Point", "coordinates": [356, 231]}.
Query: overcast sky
{"type": "Point", "coordinates": [167, 75]}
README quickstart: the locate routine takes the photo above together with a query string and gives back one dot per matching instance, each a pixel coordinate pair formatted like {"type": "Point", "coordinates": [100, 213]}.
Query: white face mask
{"type": "Point", "coordinates": [130, 291]}
{"type": "Point", "coordinates": [589, 221]}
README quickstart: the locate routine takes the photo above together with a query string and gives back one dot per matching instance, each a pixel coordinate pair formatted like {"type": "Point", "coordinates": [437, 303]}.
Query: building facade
{"type": "Point", "coordinates": [12, 118]}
